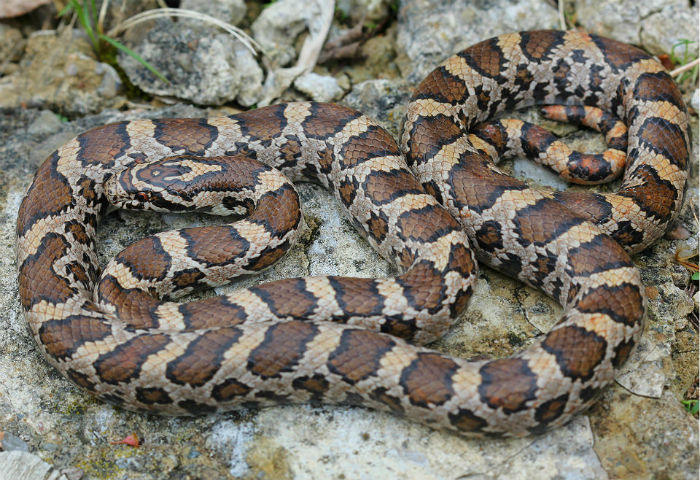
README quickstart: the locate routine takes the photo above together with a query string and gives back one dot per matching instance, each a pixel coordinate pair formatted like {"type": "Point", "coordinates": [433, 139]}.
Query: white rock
{"type": "Point", "coordinates": [320, 88]}
{"type": "Point", "coordinates": [277, 28]}
{"type": "Point", "coordinates": [331, 443]}
{"type": "Point", "coordinates": [17, 465]}
{"type": "Point", "coordinates": [279, 25]}
{"type": "Point", "coordinates": [643, 373]}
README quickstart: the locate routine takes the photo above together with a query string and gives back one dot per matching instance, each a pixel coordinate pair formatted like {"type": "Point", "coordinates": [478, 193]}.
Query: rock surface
{"type": "Point", "coordinates": [11, 47]}
{"type": "Point", "coordinates": [279, 25]}
{"type": "Point", "coordinates": [319, 88]}
{"type": "Point", "coordinates": [202, 64]}
{"type": "Point", "coordinates": [638, 429]}
{"type": "Point", "coordinates": [26, 466]}
{"type": "Point", "coordinates": [59, 71]}
{"type": "Point", "coordinates": [15, 8]}
{"type": "Point", "coordinates": [429, 30]}
{"type": "Point", "coordinates": [655, 25]}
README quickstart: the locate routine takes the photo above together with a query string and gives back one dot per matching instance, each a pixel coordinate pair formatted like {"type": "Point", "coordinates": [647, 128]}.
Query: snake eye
{"type": "Point", "coordinates": [143, 196]}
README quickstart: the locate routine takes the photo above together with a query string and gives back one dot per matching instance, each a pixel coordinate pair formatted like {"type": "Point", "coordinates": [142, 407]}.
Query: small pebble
{"type": "Point", "coordinates": [194, 453]}
{"type": "Point", "coordinates": [9, 442]}
{"type": "Point", "coordinates": [47, 122]}
{"type": "Point", "coordinates": [73, 473]}
{"type": "Point", "coordinates": [652, 293]}
{"type": "Point", "coordinates": [679, 232]}
{"type": "Point", "coordinates": [319, 87]}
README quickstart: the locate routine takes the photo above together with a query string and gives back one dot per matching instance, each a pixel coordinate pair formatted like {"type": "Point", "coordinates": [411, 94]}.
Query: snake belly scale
{"type": "Point", "coordinates": [348, 340]}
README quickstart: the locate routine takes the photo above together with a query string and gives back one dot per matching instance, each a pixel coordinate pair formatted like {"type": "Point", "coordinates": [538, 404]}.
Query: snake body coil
{"type": "Point", "coordinates": [334, 339]}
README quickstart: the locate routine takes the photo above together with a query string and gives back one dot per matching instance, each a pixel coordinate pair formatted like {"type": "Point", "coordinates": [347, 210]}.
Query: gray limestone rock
{"type": "Point", "coordinates": [17, 465]}
{"type": "Point", "coordinates": [11, 46]}
{"type": "Point", "coordinates": [320, 88]}
{"type": "Point", "coordinates": [203, 65]}
{"type": "Point", "coordinates": [431, 30]}
{"type": "Point", "coordinates": [10, 443]}
{"type": "Point", "coordinates": [655, 25]}
{"type": "Point", "coordinates": [60, 72]}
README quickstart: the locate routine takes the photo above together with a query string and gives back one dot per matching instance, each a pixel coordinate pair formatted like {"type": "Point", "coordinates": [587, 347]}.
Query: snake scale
{"type": "Point", "coordinates": [352, 340]}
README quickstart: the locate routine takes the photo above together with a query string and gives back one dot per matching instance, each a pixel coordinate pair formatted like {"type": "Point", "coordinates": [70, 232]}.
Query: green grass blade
{"type": "Point", "coordinates": [134, 55]}
{"type": "Point", "coordinates": [84, 17]}
{"type": "Point", "coordinates": [94, 13]}
{"type": "Point", "coordinates": [691, 406]}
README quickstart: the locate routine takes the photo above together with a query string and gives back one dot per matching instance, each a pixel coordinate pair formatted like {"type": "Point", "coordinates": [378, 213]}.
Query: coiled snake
{"type": "Point", "coordinates": [345, 340]}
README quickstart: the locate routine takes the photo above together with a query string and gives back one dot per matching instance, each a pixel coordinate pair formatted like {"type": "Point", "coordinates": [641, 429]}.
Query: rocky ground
{"type": "Point", "coordinates": [52, 88]}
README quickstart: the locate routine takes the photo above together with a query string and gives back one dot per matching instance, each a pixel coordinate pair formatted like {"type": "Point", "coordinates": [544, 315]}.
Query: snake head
{"type": "Point", "coordinates": [148, 186]}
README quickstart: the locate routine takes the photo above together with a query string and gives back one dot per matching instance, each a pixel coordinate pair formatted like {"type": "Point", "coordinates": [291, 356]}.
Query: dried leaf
{"type": "Point", "coordinates": [130, 440]}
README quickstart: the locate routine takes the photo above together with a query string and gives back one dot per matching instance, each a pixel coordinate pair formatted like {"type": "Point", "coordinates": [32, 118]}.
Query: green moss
{"type": "Point", "coordinates": [514, 339]}
{"type": "Point", "coordinates": [100, 468]}
{"type": "Point", "coordinates": [77, 407]}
